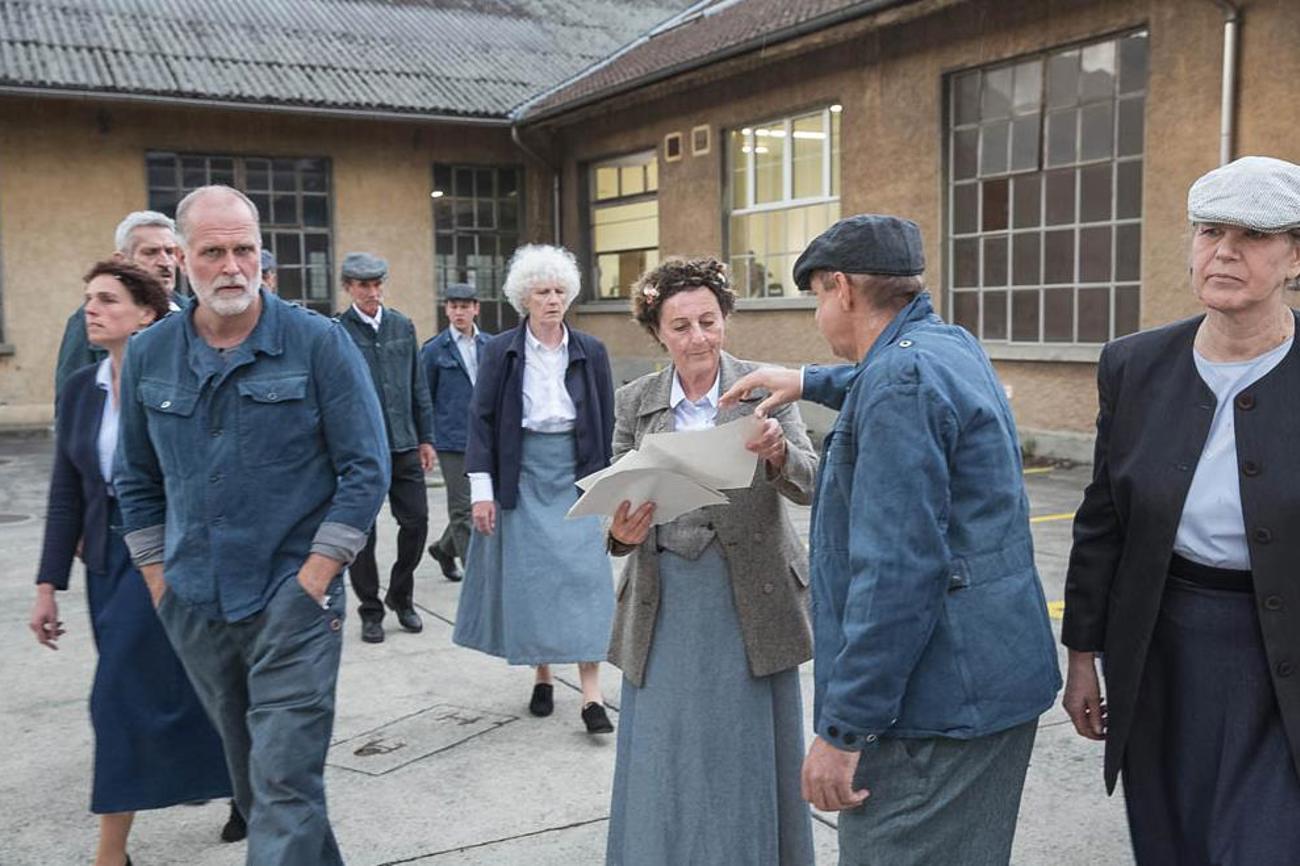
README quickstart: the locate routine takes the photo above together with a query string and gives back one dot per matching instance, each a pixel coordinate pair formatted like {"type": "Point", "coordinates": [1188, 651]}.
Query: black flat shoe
{"type": "Point", "coordinates": [409, 620]}
{"type": "Point", "coordinates": [372, 631]}
{"type": "Point", "coordinates": [450, 570]}
{"type": "Point", "coordinates": [543, 702]}
{"type": "Point", "coordinates": [596, 719]}
{"type": "Point", "coordinates": [236, 828]}
{"type": "Point", "coordinates": [128, 860]}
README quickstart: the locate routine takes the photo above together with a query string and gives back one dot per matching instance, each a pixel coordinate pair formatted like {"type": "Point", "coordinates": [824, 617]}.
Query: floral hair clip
{"type": "Point", "coordinates": [650, 293]}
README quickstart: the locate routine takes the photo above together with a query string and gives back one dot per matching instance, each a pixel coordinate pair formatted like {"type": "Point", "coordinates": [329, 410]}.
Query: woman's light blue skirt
{"type": "Point", "coordinates": [539, 590]}
{"type": "Point", "coordinates": [708, 756]}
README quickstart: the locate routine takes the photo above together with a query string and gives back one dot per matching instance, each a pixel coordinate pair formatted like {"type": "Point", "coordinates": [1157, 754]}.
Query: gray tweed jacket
{"type": "Point", "coordinates": [767, 561]}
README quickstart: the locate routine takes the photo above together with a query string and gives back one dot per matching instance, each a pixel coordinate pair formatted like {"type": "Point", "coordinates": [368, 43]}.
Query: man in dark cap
{"type": "Point", "coordinates": [269, 279]}
{"type": "Point", "coordinates": [386, 339]}
{"type": "Point", "coordinates": [450, 362]}
{"type": "Point", "coordinates": [934, 656]}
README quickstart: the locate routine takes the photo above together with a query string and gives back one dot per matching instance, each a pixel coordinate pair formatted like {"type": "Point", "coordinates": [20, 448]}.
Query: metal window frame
{"type": "Point", "coordinates": [591, 205]}
{"type": "Point", "coordinates": [457, 233]}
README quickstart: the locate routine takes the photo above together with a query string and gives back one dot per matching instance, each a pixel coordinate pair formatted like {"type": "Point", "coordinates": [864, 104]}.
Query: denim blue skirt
{"type": "Point", "coordinates": [539, 590]}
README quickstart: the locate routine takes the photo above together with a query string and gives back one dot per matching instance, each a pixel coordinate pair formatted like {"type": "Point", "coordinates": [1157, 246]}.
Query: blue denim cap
{"type": "Point", "coordinates": [1254, 192]}
{"type": "Point", "coordinates": [460, 292]}
{"type": "Point", "coordinates": [268, 260]}
{"type": "Point", "coordinates": [364, 266]}
{"type": "Point", "coordinates": [864, 244]}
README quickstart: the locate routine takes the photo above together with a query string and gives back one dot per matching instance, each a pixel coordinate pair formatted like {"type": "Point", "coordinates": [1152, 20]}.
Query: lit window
{"type": "Point", "coordinates": [624, 206]}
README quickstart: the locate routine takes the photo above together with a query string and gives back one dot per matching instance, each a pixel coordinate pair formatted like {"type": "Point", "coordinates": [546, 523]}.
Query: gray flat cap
{"type": "Point", "coordinates": [460, 292]}
{"type": "Point", "coordinates": [1254, 192]}
{"type": "Point", "coordinates": [864, 244]}
{"type": "Point", "coordinates": [364, 266]}
{"type": "Point", "coordinates": [268, 260]}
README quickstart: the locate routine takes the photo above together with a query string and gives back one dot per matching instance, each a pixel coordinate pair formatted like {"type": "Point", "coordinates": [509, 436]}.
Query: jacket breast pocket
{"type": "Point", "coordinates": [278, 422]}
{"type": "Point", "coordinates": [172, 430]}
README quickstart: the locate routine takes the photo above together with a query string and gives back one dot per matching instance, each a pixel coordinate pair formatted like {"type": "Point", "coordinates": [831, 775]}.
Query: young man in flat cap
{"type": "Point", "coordinates": [934, 656]}
{"type": "Point", "coordinates": [386, 339]}
{"type": "Point", "coordinates": [450, 362]}
{"type": "Point", "coordinates": [270, 281]}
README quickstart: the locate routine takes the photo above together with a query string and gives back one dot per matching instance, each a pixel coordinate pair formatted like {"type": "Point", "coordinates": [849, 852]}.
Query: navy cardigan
{"type": "Point", "coordinates": [79, 500]}
{"type": "Point", "coordinates": [496, 417]}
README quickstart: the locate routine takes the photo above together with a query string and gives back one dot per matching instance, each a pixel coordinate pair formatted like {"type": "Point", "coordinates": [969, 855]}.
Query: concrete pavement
{"type": "Point", "coordinates": [435, 759]}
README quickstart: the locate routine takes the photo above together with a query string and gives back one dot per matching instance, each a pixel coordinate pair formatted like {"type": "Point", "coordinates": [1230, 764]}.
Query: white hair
{"type": "Point", "coordinates": [533, 265]}
{"type": "Point", "coordinates": [136, 220]}
{"type": "Point", "coordinates": [182, 209]}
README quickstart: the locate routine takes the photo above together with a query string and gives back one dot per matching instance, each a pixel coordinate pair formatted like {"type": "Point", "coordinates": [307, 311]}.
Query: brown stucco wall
{"type": "Point", "coordinates": [890, 82]}
{"type": "Point", "coordinates": [70, 170]}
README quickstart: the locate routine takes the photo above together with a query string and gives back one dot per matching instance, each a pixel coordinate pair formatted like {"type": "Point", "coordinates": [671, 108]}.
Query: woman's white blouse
{"type": "Point", "coordinates": [700, 415]}
{"type": "Point", "coordinates": [1212, 530]}
{"type": "Point", "coordinates": [107, 441]}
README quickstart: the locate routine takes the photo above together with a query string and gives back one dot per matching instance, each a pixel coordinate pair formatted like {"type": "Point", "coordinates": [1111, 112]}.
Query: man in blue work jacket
{"type": "Point", "coordinates": [934, 656]}
{"type": "Point", "coordinates": [387, 341]}
{"type": "Point", "coordinates": [450, 362]}
{"type": "Point", "coordinates": [251, 462]}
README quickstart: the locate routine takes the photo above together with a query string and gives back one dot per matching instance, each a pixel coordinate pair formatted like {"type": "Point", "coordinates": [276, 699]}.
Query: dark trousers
{"type": "Point", "coordinates": [268, 682]}
{"type": "Point", "coordinates": [455, 538]}
{"type": "Point", "coordinates": [410, 507]}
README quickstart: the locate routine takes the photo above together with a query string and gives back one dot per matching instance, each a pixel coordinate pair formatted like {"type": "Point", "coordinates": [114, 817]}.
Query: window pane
{"type": "Point", "coordinates": [1098, 131]}
{"type": "Point", "coordinates": [965, 208]}
{"type": "Point", "coordinates": [1060, 197]}
{"type": "Point", "coordinates": [966, 262]}
{"type": "Point", "coordinates": [835, 153]}
{"type": "Point", "coordinates": [486, 217]}
{"type": "Point", "coordinates": [257, 174]}
{"type": "Point", "coordinates": [1024, 315]}
{"type": "Point", "coordinates": [1133, 63]}
{"type": "Point", "coordinates": [314, 175]}
{"type": "Point", "coordinates": [161, 170]}
{"type": "Point", "coordinates": [442, 215]}
{"type": "Point", "coordinates": [626, 226]}
{"type": "Point", "coordinates": [1094, 315]}
{"type": "Point", "coordinates": [994, 138]}
{"type": "Point", "coordinates": [966, 95]}
{"type": "Point", "coordinates": [606, 182]}
{"type": "Point", "coordinates": [1029, 87]}
{"type": "Point", "coordinates": [995, 315]}
{"type": "Point", "coordinates": [1098, 66]}
{"type": "Point", "coordinates": [483, 186]}
{"type": "Point", "coordinates": [464, 208]}
{"type": "Point", "coordinates": [965, 150]}
{"type": "Point", "coordinates": [1027, 204]}
{"type": "Point", "coordinates": [739, 147]}
{"type": "Point", "coordinates": [1128, 190]}
{"type": "Point", "coordinates": [283, 176]}
{"type": "Point", "coordinates": [995, 205]}
{"type": "Point", "coordinates": [1058, 257]}
{"type": "Point", "coordinates": [1094, 255]}
{"type": "Point", "coordinates": [288, 283]}
{"type": "Point", "coordinates": [464, 183]}
{"type": "Point", "coordinates": [315, 210]}
{"type": "Point", "coordinates": [508, 214]}
{"type": "Point", "coordinates": [769, 150]}
{"type": "Point", "coordinates": [1062, 137]}
{"type": "Point", "coordinates": [966, 310]}
{"type": "Point", "coordinates": [1130, 126]}
{"type": "Point", "coordinates": [1024, 143]}
{"type": "Point", "coordinates": [1126, 310]}
{"type": "Point", "coordinates": [632, 180]}
{"type": "Point", "coordinates": [442, 178]}
{"type": "Point", "coordinates": [996, 101]}
{"type": "Point", "coordinates": [995, 261]}
{"type": "Point", "coordinates": [1058, 315]}
{"type": "Point", "coordinates": [262, 202]}
{"type": "Point", "coordinates": [1063, 79]}
{"type": "Point", "coordinates": [809, 139]}
{"type": "Point", "coordinates": [284, 209]}
{"type": "Point", "coordinates": [508, 182]}
{"type": "Point", "coordinates": [1128, 252]}
{"type": "Point", "coordinates": [1026, 258]}
{"type": "Point", "coordinates": [1094, 193]}
{"type": "Point", "coordinates": [288, 250]}
{"type": "Point", "coordinates": [221, 170]}
{"type": "Point", "coordinates": [164, 201]}
{"type": "Point", "coordinates": [194, 171]}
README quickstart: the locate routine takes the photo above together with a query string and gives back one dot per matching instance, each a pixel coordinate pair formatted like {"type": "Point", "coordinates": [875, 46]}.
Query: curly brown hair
{"type": "Point", "coordinates": [675, 275]}
{"type": "Point", "coordinates": [144, 288]}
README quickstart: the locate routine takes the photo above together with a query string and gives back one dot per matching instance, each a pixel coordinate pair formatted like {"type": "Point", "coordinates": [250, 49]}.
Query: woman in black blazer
{"type": "Point", "coordinates": [154, 745]}
{"type": "Point", "coordinates": [1183, 576]}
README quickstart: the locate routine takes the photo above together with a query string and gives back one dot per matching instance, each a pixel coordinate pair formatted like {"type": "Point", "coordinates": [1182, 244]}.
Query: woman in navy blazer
{"type": "Point", "coordinates": [154, 745]}
{"type": "Point", "coordinates": [538, 586]}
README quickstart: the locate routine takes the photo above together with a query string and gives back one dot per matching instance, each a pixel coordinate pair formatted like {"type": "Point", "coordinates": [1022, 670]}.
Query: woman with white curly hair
{"type": "Point", "coordinates": [538, 588]}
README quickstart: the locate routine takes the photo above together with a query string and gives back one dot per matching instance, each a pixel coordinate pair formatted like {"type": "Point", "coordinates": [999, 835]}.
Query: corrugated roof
{"type": "Point", "coordinates": [705, 34]}
{"type": "Point", "coordinates": [476, 58]}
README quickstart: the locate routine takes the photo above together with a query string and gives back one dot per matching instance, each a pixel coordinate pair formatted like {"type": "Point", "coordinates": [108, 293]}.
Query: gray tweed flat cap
{"type": "Point", "coordinates": [268, 260]}
{"type": "Point", "coordinates": [364, 266]}
{"type": "Point", "coordinates": [1254, 192]}
{"type": "Point", "coordinates": [864, 244]}
{"type": "Point", "coordinates": [460, 292]}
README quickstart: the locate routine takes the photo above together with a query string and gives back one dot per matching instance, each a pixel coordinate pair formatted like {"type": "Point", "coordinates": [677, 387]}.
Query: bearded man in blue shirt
{"type": "Point", "coordinates": [251, 463]}
{"type": "Point", "coordinates": [933, 653]}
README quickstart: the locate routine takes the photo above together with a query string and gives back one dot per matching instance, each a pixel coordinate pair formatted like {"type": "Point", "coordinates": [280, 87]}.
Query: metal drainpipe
{"type": "Point", "coordinates": [555, 182]}
{"type": "Point", "coordinates": [1227, 101]}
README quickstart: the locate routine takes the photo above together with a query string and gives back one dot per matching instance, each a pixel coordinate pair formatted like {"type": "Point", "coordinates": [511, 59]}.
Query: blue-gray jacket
{"type": "Point", "coordinates": [230, 471]}
{"type": "Point", "coordinates": [928, 615]}
{"type": "Point", "coordinates": [450, 388]}
{"type": "Point", "coordinates": [395, 369]}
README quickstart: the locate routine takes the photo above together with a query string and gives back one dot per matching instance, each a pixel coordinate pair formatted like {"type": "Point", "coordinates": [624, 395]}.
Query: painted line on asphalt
{"type": "Point", "coordinates": [1056, 609]}
{"type": "Point", "coordinates": [1045, 518]}
{"type": "Point", "coordinates": [1038, 470]}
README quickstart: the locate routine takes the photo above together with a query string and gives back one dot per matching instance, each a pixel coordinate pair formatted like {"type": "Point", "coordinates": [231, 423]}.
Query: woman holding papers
{"type": "Point", "coordinates": [711, 622]}
{"type": "Point", "coordinates": [538, 589]}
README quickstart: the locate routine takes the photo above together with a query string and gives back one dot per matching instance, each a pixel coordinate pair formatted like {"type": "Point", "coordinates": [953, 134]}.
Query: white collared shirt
{"type": "Point", "coordinates": [372, 322]}
{"type": "Point", "coordinates": [548, 408]}
{"type": "Point", "coordinates": [467, 346]}
{"type": "Point", "coordinates": [700, 415]}
{"type": "Point", "coordinates": [106, 444]}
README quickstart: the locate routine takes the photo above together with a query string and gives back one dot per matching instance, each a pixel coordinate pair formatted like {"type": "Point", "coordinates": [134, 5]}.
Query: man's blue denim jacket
{"type": "Point", "coordinates": [927, 609]}
{"type": "Point", "coordinates": [231, 469]}
{"type": "Point", "coordinates": [450, 389]}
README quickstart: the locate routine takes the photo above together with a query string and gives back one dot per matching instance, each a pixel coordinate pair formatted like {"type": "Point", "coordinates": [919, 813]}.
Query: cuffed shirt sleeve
{"type": "Point", "coordinates": [338, 541]}
{"type": "Point", "coordinates": [480, 487]}
{"type": "Point", "coordinates": [146, 545]}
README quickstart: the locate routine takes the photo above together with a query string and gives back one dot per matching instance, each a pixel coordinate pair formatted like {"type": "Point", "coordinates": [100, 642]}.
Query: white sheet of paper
{"type": "Point", "coordinates": [673, 493]}
{"type": "Point", "coordinates": [715, 457]}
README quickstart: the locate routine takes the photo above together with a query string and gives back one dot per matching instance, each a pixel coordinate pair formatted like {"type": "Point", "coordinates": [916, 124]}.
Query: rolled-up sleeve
{"type": "Point", "coordinates": [137, 474]}
{"type": "Point", "coordinates": [358, 446]}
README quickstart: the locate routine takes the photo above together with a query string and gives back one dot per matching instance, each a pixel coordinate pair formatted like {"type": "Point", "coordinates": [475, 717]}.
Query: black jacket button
{"type": "Point", "coordinates": [1285, 669]}
{"type": "Point", "coordinates": [833, 731]}
{"type": "Point", "coordinates": [1263, 536]}
{"type": "Point", "coordinates": [850, 739]}
{"type": "Point", "coordinates": [1249, 468]}
{"type": "Point", "coordinates": [1245, 402]}
{"type": "Point", "coordinates": [1273, 602]}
